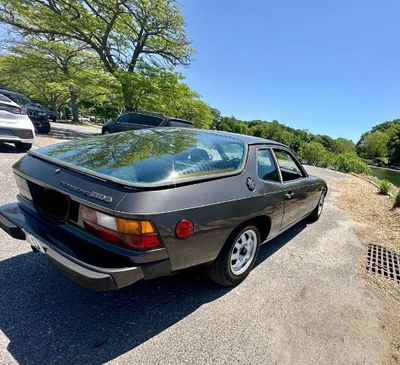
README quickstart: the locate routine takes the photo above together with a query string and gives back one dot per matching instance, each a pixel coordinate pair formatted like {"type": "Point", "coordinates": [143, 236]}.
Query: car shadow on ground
{"type": "Point", "coordinates": [49, 319]}
{"type": "Point", "coordinates": [9, 148]}
{"type": "Point", "coordinates": [68, 134]}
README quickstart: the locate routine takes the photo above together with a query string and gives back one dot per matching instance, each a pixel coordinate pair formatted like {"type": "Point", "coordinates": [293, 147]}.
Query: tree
{"type": "Point", "coordinates": [350, 162]}
{"type": "Point", "coordinates": [35, 77]}
{"type": "Point", "coordinates": [123, 33]}
{"type": "Point", "coordinates": [55, 73]}
{"type": "Point", "coordinates": [314, 153]}
{"type": "Point", "coordinates": [374, 145]}
{"type": "Point", "coordinates": [394, 149]}
{"type": "Point", "coordinates": [343, 145]}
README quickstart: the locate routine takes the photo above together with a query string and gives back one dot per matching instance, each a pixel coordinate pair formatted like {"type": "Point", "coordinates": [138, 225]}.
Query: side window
{"type": "Point", "coordinates": [266, 168]}
{"type": "Point", "coordinates": [289, 167]}
{"type": "Point", "coordinates": [232, 150]}
{"type": "Point", "coordinates": [147, 120]}
{"type": "Point", "coordinates": [139, 119]}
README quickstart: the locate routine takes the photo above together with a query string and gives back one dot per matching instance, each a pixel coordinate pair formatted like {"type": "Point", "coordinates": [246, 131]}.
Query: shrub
{"type": "Point", "coordinates": [350, 162]}
{"type": "Point", "coordinates": [314, 153]}
{"type": "Point", "coordinates": [397, 200]}
{"type": "Point", "coordinates": [384, 187]}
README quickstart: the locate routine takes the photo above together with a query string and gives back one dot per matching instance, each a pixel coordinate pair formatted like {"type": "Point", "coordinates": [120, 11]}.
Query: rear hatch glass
{"type": "Point", "coordinates": [151, 157]}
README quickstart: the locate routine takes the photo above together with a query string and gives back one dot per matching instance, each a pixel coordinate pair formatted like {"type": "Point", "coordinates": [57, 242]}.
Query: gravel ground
{"type": "Point", "coordinates": [305, 302]}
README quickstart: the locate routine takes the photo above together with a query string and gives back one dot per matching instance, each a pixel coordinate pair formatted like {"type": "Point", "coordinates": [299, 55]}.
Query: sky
{"type": "Point", "coordinates": [329, 66]}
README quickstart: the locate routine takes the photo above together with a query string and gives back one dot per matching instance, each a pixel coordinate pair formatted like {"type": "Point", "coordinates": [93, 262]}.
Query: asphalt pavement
{"type": "Point", "coordinates": [305, 302]}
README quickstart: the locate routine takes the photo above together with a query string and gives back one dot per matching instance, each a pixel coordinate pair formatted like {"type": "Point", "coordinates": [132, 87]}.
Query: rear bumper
{"type": "Point", "coordinates": [15, 139]}
{"type": "Point", "coordinates": [10, 134]}
{"type": "Point", "coordinates": [92, 277]}
{"type": "Point", "coordinates": [88, 275]}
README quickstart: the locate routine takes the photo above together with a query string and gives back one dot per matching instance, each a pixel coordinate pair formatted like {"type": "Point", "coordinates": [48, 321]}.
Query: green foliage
{"type": "Point", "coordinates": [314, 153]}
{"type": "Point", "coordinates": [394, 148]}
{"type": "Point", "coordinates": [40, 75]}
{"type": "Point", "coordinates": [373, 144]}
{"type": "Point", "coordinates": [123, 35]}
{"type": "Point", "coordinates": [42, 78]}
{"type": "Point", "coordinates": [381, 142]}
{"type": "Point", "coordinates": [350, 162]}
{"type": "Point", "coordinates": [397, 201]}
{"type": "Point", "coordinates": [384, 187]}
{"type": "Point", "coordinates": [343, 145]}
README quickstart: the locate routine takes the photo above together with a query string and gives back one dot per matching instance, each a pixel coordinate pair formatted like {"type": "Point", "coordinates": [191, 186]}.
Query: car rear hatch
{"type": "Point", "coordinates": [56, 191]}
{"type": "Point", "coordinates": [51, 206]}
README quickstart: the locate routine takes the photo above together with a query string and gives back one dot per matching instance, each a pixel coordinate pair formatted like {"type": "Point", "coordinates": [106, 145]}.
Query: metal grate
{"type": "Point", "coordinates": [383, 262]}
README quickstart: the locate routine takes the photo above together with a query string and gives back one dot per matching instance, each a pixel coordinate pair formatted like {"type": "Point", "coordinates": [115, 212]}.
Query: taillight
{"type": "Point", "coordinates": [136, 234]}
{"type": "Point", "coordinates": [13, 109]}
{"type": "Point", "coordinates": [18, 110]}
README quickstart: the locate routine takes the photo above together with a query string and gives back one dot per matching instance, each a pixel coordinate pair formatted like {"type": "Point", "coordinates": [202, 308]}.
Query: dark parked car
{"type": "Point", "coordinates": [111, 210]}
{"type": "Point", "coordinates": [51, 115]}
{"type": "Point", "coordinates": [134, 120]}
{"type": "Point", "coordinates": [36, 113]}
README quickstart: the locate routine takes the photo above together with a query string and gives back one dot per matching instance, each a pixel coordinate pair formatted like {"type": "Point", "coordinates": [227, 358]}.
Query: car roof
{"type": "Point", "coordinates": [161, 116]}
{"type": "Point", "coordinates": [250, 140]}
{"type": "Point", "coordinates": [5, 91]}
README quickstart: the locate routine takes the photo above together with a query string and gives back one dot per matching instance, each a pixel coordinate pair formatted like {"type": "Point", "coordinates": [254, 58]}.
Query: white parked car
{"type": "Point", "coordinates": [15, 125]}
{"type": "Point", "coordinates": [86, 118]}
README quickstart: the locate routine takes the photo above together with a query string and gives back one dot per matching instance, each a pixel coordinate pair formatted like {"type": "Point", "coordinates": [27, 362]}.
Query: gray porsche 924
{"type": "Point", "coordinates": [111, 210]}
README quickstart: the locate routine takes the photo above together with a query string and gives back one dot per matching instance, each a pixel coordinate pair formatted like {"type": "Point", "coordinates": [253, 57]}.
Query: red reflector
{"type": "Point", "coordinates": [184, 228]}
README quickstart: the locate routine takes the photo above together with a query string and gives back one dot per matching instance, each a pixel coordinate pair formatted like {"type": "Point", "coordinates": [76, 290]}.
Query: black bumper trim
{"type": "Point", "coordinates": [95, 278]}
{"type": "Point", "coordinates": [10, 228]}
{"type": "Point", "coordinates": [88, 275]}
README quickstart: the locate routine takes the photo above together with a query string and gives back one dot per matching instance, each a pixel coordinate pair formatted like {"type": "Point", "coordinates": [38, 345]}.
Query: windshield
{"type": "Point", "coordinates": [157, 156]}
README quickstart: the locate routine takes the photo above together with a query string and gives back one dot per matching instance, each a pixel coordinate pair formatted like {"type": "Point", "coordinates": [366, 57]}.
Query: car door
{"type": "Point", "coordinates": [270, 189]}
{"type": "Point", "coordinates": [299, 192]}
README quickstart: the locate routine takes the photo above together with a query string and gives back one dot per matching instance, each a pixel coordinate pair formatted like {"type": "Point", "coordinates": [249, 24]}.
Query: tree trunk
{"type": "Point", "coordinates": [127, 93]}
{"type": "Point", "coordinates": [54, 105]}
{"type": "Point", "coordinates": [74, 103]}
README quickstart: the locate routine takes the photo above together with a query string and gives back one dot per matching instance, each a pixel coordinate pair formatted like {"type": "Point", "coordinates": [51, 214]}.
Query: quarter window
{"type": "Point", "coordinates": [266, 168]}
{"type": "Point", "coordinates": [288, 166]}
{"type": "Point", "coordinates": [177, 123]}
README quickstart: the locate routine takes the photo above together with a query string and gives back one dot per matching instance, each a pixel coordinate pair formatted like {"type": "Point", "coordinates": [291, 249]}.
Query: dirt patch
{"type": "Point", "coordinates": [378, 224]}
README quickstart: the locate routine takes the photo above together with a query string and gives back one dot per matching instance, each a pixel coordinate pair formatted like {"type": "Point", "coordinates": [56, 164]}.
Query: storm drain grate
{"type": "Point", "coordinates": [383, 262]}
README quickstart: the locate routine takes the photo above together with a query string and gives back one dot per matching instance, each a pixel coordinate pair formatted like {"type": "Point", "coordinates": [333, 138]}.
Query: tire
{"type": "Point", "coordinates": [23, 146]}
{"type": "Point", "coordinates": [105, 131]}
{"type": "Point", "coordinates": [44, 128]}
{"type": "Point", "coordinates": [316, 213]}
{"type": "Point", "coordinates": [227, 271]}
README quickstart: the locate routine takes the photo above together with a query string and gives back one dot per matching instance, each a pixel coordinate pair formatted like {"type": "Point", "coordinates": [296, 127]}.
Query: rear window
{"type": "Point", "coordinates": [4, 99]}
{"type": "Point", "coordinates": [152, 156]}
{"type": "Point", "coordinates": [20, 99]}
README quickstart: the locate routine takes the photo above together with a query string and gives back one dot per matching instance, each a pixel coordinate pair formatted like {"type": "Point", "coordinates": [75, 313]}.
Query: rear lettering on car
{"type": "Point", "coordinates": [89, 193]}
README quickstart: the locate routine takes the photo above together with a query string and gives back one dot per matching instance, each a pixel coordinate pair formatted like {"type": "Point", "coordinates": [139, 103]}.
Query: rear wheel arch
{"type": "Point", "coordinates": [261, 222]}
{"type": "Point", "coordinates": [220, 270]}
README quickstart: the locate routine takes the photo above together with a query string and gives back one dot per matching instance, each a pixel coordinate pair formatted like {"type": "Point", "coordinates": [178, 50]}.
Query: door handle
{"type": "Point", "coordinates": [289, 195]}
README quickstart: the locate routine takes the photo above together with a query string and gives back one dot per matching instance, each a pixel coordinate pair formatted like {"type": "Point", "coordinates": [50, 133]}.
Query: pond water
{"type": "Point", "coordinates": [391, 175]}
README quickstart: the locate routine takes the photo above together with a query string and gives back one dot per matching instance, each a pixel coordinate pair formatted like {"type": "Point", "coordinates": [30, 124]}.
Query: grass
{"type": "Point", "coordinates": [384, 187]}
